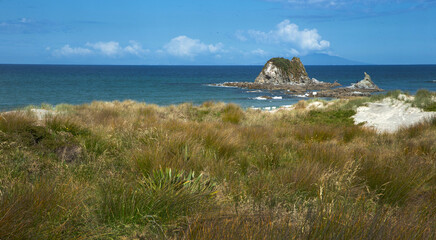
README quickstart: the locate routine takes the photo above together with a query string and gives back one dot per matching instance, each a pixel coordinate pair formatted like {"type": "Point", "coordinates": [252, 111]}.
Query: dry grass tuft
{"type": "Point", "coordinates": [111, 170]}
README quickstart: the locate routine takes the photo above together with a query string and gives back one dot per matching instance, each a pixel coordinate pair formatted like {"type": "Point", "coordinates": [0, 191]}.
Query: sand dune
{"type": "Point", "coordinates": [390, 114]}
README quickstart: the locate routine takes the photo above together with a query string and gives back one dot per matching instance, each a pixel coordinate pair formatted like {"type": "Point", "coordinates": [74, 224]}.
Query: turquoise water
{"type": "Point", "coordinates": [22, 85]}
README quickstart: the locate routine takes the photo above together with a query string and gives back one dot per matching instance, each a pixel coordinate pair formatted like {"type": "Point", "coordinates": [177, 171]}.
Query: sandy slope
{"type": "Point", "coordinates": [39, 113]}
{"type": "Point", "coordinates": [389, 115]}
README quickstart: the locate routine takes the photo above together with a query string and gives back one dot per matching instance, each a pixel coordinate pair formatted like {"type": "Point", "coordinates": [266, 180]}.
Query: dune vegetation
{"type": "Point", "coordinates": [129, 170]}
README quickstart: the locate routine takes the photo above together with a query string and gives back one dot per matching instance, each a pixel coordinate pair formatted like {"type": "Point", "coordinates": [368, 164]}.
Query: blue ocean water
{"type": "Point", "coordinates": [22, 85]}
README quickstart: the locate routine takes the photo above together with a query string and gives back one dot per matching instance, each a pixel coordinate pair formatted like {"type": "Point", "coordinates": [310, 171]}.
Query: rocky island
{"type": "Point", "coordinates": [291, 76]}
{"type": "Point", "coordinates": [281, 71]}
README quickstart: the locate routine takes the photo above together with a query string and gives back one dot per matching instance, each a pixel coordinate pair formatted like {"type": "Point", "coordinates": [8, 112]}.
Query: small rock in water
{"type": "Point", "coordinates": [365, 83]}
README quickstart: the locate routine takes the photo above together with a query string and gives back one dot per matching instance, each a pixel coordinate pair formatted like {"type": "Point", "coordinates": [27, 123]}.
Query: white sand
{"type": "Point", "coordinates": [389, 115]}
{"type": "Point", "coordinates": [310, 106]}
{"type": "Point", "coordinates": [40, 114]}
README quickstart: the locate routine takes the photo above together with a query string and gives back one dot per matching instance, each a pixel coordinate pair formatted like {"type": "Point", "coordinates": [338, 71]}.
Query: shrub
{"type": "Point", "coordinates": [44, 210]}
{"type": "Point", "coordinates": [23, 129]}
{"type": "Point", "coordinates": [59, 124]}
{"type": "Point", "coordinates": [232, 114]}
{"type": "Point", "coordinates": [162, 196]}
{"type": "Point", "coordinates": [282, 63]}
{"type": "Point", "coordinates": [425, 99]}
{"type": "Point", "coordinates": [15, 122]}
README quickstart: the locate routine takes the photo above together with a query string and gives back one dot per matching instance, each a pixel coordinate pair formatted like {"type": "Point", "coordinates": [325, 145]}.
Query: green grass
{"type": "Point", "coordinates": [215, 171]}
{"type": "Point", "coordinates": [425, 99]}
{"type": "Point", "coordinates": [282, 63]}
{"type": "Point", "coordinates": [336, 117]}
{"type": "Point", "coordinates": [232, 114]}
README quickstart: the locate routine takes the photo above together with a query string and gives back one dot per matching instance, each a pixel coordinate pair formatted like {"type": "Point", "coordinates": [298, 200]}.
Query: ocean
{"type": "Point", "coordinates": [22, 85]}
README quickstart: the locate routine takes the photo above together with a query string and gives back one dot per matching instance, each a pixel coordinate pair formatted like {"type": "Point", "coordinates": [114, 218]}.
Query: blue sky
{"type": "Point", "coordinates": [216, 32]}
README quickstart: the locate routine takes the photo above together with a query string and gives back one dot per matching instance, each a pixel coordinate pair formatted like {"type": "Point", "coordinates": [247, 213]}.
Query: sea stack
{"type": "Point", "coordinates": [365, 83]}
{"type": "Point", "coordinates": [283, 71]}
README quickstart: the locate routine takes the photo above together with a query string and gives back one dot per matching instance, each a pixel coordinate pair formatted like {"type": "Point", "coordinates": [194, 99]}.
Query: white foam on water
{"type": "Point", "coordinates": [303, 96]}
{"type": "Point", "coordinates": [277, 97]}
{"type": "Point", "coordinates": [220, 85]}
{"type": "Point", "coordinates": [260, 98]}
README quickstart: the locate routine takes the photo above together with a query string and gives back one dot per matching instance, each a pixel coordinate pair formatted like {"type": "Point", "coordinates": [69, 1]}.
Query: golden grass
{"type": "Point", "coordinates": [289, 175]}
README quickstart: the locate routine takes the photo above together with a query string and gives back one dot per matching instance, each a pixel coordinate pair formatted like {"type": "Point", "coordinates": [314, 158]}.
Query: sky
{"type": "Point", "coordinates": [215, 32]}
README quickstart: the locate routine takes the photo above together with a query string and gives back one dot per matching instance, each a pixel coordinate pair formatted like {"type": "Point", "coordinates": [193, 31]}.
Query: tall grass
{"type": "Point", "coordinates": [425, 99]}
{"type": "Point", "coordinates": [159, 197]}
{"type": "Point", "coordinates": [43, 210]}
{"type": "Point", "coordinates": [214, 171]}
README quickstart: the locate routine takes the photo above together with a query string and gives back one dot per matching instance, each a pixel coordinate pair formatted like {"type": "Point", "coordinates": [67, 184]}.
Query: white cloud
{"type": "Point", "coordinates": [321, 3]}
{"type": "Point", "coordinates": [107, 48]}
{"type": "Point", "coordinates": [240, 36]}
{"type": "Point", "coordinates": [259, 52]}
{"type": "Point", "coordinates": [24, 20]}
{"type": "Point", "coordinates": [183, 46]}
{"type": "Point", "coordinates": [289, 33]}
{"type": "Point", "coordinates": [110, 49]}
{"type": "Point", "coordinates": [135, 48]}
{"type": "Point", "coordinates": [294, 52]}
{"type": "Point", "coordinates": [69, 51]}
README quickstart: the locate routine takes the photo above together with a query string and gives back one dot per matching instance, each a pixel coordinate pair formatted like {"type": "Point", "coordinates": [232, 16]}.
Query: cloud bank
{"type": "Point", "coordinates": [110, 49]}
{"type": "Point", "coordinates": [290, 35]}
{"type": "Point", "coordinates": [69, 51]}
{"type": "Point", "coordinates": [183, 46]}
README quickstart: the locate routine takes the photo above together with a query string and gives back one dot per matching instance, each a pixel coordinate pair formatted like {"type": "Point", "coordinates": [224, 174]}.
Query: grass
{"type": "Point", "coordinates": [425, 99]}
{"type": "Point", "coordinates": [336, 117]}
{"type": "Point", "coordinates": [157, 198]}
{"type": "Point", "coordinates": [127, 170]}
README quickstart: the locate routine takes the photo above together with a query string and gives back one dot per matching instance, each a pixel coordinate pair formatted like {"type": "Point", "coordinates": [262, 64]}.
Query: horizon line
{"type": "Point", "coordinates": [213, 65]}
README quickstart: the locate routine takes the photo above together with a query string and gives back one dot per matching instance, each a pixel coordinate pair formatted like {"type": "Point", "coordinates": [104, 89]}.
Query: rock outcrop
{"type": "Point", "coordinates": [291, 89]}
{"type": "Point", "coordinates": [291, 77]}
{"type": "Point", "coordinates": [283, 71]}
{"type": "Point", "coordinates": [283, 74]}
{"type": "Point", "coordinates": [363, 88]}
{"type": "Point", "coordinates": [366, 83]}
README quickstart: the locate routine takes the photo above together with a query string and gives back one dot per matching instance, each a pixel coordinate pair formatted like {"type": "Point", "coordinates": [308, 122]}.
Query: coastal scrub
{"type": "Point", "coordinates": [214, 171]}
